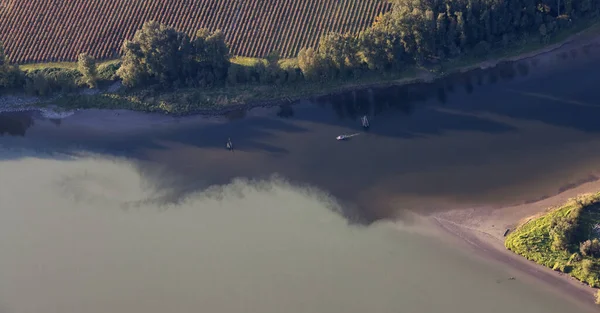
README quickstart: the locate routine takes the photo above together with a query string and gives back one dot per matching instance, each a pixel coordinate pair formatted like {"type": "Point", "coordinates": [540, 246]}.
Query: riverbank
{"type": "Point", "coordinates": [482, 230]}
{"type": "Point", "coordinates": [220, 101]}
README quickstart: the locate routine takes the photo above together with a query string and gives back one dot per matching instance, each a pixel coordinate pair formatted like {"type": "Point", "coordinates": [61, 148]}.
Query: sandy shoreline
{"type": "Point", "coordinates": [482, 230]}
{"type": "Point", "coordinates": [27, 103]}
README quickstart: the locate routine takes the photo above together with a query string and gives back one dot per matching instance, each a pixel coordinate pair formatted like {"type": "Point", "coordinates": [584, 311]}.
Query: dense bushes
{"type": "Point", "coordinates": [108, 72]}
{"type": "Point", "coordinates": [86, 65]}
{"type": "Point", "coordinates": [48, 81]}
{"type": "Point", "coordinates": [590, 248]}
{"type": "Point", "coordinates": [562, 230]}
{"type": "Point", "coordinates": [159, 54]}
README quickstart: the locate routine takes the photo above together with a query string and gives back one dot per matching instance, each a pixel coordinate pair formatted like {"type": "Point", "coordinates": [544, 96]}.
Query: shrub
{"type": "Point", "coordinates": [259, 72]}
{"type": "Point", "coordinates": [590, 248]}
{"type": "Point", "coordinates": [108, 72]}
{"type": "Point", "coordinates": [561, 232]}
{"type": "Point", "coordinates": [236, 74]}
{"type": "Point", "coordinates": [587, 267]}
{"type": "Point", "coordinates": [575, 257]}
{"type": "Point", "coordinates": [482, 48]}
{"type": "Point", "coordinates": [87, 67]}
{"type": "Point", "coordinates": [48, 81]}
{"type": "Point", "coordinates": [11, 76]}
{"type": "Point", "coordinates": [310, 63]}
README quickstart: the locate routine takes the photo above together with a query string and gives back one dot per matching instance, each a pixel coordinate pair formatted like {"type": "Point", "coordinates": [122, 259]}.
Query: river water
{"type": "Point", "coordinates": [128, 212]}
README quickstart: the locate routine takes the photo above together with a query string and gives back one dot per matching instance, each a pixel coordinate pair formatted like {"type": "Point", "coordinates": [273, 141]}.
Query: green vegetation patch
{"type": "Point", "coordinates": [564, 239]}
{"type": "Point", "coordinates": [187, 100]}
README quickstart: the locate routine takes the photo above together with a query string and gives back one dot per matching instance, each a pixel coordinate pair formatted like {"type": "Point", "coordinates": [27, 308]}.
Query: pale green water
{"type": "Point", "coordinates": [85, 236]}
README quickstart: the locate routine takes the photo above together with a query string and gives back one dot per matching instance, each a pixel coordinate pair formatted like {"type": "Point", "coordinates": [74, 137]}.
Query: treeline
{"type": "Point", "coordinates": [429, 31]}
{"type": "Point", "coordinates": [422, 32]}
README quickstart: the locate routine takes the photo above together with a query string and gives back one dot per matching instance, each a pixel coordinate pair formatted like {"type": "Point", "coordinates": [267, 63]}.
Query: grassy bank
{"type": "Point", "coordinates": [190, 100]}
{"type": "Point", "coordinates": [564, 239]}
{"type": "Point", "coordinates": [219, 99]}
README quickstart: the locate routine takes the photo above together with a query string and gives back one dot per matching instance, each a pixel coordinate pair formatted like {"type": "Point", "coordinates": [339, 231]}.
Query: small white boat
{"type": "Point", "coordinates": [365, 122]}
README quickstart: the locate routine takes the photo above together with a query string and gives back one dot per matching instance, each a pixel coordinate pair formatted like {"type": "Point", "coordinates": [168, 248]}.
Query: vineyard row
{"type": "Point", "coordinates": [58, 30]}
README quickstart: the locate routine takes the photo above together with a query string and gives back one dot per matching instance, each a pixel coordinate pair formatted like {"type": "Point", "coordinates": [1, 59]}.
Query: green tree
{"type": "Point", "coordinates": [274, 71]}
{"type": "Point", "coordinates": [87, 67]}
{"type": "Point", "coordinates": [10, 74]}
{"type": "Point", "coordinates": [339, 52]}
{"type": "Point", "coordinates": [310, 63]}
{"type": "Point", "coordinates": [210, 57]}
{"type": "Point", "coordinates": [157, 52]}
{"type": "Point", "coordinates": [133, 71]}
{"type": "Point", "coordinates": [236, 74]}
{"type": "Point", "coordinates": [379, 49]}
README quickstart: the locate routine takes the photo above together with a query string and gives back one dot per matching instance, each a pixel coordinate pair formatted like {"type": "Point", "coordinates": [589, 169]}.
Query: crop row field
{"type": "Point", "coordinates": [58, 30]}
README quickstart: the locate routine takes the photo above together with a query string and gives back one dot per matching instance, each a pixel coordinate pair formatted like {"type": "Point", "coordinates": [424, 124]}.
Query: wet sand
{"type": "Point", "coordinates": [483, 230]}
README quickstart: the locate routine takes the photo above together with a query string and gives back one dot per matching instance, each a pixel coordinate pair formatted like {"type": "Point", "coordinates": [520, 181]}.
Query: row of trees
{"type": "Point", "coordinates": [413, 32]}
{"type": "Point", "coordinates": [427, 31]}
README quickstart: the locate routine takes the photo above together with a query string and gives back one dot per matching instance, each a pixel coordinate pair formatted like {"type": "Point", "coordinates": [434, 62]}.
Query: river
{"type": "Point", "coordinates": [130, 212]}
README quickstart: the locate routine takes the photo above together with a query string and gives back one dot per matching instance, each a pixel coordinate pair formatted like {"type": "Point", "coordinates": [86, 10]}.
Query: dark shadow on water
{"type": "Point", "coordinates": [285, 111]}
{"type": "Point", "coordinates": [56, 121]}
{"type": "Point", "coordinates": [574, 53]}
{"type": "Point", "coordinates": [468, 83]}
{"type": "Point", "coordinates": [506, 71]}
{"type": "Point", "coordinates": [15, 123]}
{"type": "Point", "coordinates": [540, 104]}
{"type": "Point", "coordinates": [236, 115]}
{"type": "Point", "coordinates": [493, 77]}
{"type": "Point", "coordinates": [523, 68]}
{"type": "Point", "coordinates": [563, 56]}
{"type": "Point", "coordinates": [441, 95]}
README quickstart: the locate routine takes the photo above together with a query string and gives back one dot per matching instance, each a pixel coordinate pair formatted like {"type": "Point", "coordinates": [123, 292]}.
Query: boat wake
{"type": "Point", "coordinates": [346, 137]}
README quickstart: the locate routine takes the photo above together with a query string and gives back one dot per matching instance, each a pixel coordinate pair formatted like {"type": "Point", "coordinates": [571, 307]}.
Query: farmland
{"type": "Point", "coordinates": [58, 30]}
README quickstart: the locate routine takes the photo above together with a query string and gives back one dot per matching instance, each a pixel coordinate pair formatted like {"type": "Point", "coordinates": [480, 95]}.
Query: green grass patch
{"type": "Point", "coordinates": [554, 239]}
{"type": "Point", "coordinates": [185, 100]}
{"type": "Point", "coordinates": [61, 65]}
{"type": "Point", "coordinates": [246, 61]}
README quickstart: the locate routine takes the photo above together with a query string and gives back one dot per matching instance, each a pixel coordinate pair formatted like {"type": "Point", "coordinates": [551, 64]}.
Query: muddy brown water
{"type": "Point", "coordinates": [122, 212]}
